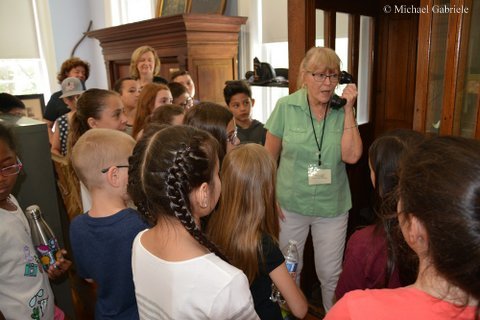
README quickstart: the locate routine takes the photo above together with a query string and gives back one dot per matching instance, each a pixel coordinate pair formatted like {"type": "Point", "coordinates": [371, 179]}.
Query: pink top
{"type": "Point", "coordinates": [402, 303]}
{"type": "Point", "coordinates": [365, 263]}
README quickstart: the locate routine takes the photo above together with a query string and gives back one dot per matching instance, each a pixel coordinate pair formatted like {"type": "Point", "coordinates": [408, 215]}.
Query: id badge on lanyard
{"type": "Point", "coordinates": [318, 175]}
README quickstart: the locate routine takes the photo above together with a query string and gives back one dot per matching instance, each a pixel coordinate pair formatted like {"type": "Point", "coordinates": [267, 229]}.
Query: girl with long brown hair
{"type": "Point", "coordinates": [152, 96]}
{"type": "Point", "coordinates": [246, 227]}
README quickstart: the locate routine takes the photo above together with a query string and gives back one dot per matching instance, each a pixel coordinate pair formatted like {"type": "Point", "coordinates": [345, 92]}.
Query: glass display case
{"type": "Point", "coordinates": [447, 100]}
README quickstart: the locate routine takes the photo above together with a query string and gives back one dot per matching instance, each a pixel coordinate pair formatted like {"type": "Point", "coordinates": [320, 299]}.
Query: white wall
{"type": "Point", "coordinates": [70, 19]}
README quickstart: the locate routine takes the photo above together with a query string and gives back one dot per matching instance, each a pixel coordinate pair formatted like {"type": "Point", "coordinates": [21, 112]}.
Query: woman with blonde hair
{"type": "Point", "coordinates": [152, 96]}
{"type": "Point", "coordinates": [314, 140]}
{"type": "Point", "coordinates": [246, 227]}
{"type": "Point", "coordinates": [145, 66]}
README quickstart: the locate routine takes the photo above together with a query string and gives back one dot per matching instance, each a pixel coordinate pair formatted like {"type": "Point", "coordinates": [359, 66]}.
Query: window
{"type": "Point", "coordinates": [127, 11]}
{"type": "Point", "coordinates": [22, 67]}
{"type": "Point", "coordinates": [344, 47]}
{"type": "Point", "coordinates": [265, 37]}
{"type": "Point", "coordinates": [21, 76]}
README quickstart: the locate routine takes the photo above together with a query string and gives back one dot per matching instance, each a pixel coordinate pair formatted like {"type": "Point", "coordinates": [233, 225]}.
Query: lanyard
{"type": "Point", "coordinates": [319, 145]}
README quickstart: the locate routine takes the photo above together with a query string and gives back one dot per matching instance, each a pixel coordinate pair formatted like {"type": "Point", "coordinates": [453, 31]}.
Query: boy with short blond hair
{"type": "Point", "coordinates": [238, 97]}
{"type": "Point", "coordinates": [102, 237]}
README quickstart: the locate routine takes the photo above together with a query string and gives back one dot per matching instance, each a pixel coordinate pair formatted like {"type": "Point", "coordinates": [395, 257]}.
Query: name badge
{"type": "Point", "coordinates": [317, 175]}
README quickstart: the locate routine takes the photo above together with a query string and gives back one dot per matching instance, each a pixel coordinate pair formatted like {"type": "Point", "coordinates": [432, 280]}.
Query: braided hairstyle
{"type": "Point", "coordinates": [165, 167]}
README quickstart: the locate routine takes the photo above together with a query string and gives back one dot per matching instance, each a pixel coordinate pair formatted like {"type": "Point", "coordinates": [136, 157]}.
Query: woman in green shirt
{"type": "Point", "coordinates": [313, 141]}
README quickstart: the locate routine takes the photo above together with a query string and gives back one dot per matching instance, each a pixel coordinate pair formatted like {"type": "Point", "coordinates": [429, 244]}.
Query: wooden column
{"type": "Point", "coordinates": [301, 35]}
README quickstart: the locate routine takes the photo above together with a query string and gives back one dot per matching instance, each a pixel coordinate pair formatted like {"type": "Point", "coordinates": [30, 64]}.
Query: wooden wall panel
{"type": "Point", "coordinates": [208, 73]}
{"type": "Point", "coordinates": [395, 78]}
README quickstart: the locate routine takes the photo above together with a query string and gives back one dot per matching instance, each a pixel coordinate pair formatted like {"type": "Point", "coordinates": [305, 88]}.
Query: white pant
{"type": "Point", "coordinates": [328, 237]}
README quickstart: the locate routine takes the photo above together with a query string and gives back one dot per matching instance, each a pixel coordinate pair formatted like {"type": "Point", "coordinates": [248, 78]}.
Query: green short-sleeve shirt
{"type": "Point", "coordinates": [290, 121]}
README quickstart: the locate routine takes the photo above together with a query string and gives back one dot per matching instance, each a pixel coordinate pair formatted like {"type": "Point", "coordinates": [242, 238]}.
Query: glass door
{"type": "Point", "coordinates": [467, 104]}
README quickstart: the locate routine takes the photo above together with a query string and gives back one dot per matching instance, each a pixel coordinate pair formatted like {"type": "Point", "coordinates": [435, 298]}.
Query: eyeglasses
{"type": "Point", "coordinates": [106, 169]}
{"type": "Point", "coordinates": [187, 103]}
{"type": "Point", "coordinates": [12, 170]}
{"type": "Point", "coordinates": [320, 77]}
{"type": "Point", "coordinates": [233, 138]}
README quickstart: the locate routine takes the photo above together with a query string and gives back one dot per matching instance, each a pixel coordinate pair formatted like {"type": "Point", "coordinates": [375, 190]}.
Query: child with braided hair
{"type": "Point", "coordinates": [179, 273]}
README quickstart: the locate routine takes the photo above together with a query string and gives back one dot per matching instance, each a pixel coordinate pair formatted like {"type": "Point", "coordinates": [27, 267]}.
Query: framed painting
{"type": "Point", "coordinates": [34, 105]}
{"type": "Point", "coordinates": [171, 7]}
{"type": "Point", "coordinates": [208, 6]}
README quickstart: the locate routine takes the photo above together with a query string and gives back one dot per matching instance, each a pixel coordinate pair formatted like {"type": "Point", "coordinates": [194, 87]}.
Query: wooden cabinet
{"type": "Point", "coordinates": [204, 44]}
{"type": "Point", "coordinates": [447, 100]}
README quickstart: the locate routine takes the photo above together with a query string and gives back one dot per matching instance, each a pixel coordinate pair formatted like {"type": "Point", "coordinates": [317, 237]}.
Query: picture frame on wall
{"type": "Point", "coordinates": [34, 105]}
{"type": "Point", "coordinates": [172, 7]}
{"type": "Point", "coordinates": [208, 6]}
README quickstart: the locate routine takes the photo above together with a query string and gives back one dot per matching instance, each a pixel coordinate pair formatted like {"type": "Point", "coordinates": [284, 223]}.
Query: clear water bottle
{"type": "Point", "coordinates": [43, 239]}
{"type": "Point", "coordinates": [290, 253]}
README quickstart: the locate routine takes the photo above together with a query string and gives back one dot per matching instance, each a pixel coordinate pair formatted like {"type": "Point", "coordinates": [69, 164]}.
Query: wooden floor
{"type": "Point", "coordinates": [314, 313]}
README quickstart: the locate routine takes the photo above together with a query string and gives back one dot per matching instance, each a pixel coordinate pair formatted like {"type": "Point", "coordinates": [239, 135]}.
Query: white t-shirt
{"type": "Point", "coordinates": [25, 292]}
{"type": "Point", "coordinates": [205, 287]}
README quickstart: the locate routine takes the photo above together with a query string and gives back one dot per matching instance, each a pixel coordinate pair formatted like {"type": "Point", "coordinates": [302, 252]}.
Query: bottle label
{"type": "Point", "coordinates": [292, 268]}
{"type": "Point", "coordinates": [48, 253]}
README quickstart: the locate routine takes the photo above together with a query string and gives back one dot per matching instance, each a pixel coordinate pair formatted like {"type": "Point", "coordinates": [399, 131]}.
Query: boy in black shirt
{"type": "Point", "coordinates": [238, 97]}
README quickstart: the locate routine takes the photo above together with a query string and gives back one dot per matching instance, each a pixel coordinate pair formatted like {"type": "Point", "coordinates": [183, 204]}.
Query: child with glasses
{"type": "Point", "coordinates": [25, 291]}
{"type": "Point", "coordinates": [102, 237]}
{"type": "Point", "coordinates": [180, 95]}
{"type": "Point", "coordinates": [238, 97]}
{"type": "Point", "coordinates": [218, 121]}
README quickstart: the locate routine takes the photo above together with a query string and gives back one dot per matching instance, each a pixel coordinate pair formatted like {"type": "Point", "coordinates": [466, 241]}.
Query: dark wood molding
{"type": "Point", "coordinates": [422, 68]}
{"type": "Point", "coordinates": [329, 28]}
{"type": "Point", "coordinates": [353, 43]}
{"type": "Point", "coordinates": [364, 7]}
{"type": "Point", "coordinates": [301, 36]}
{"type": "Point", "coordinates": [452, 69]}
{"type": "Point", "coordinates": [464, 40]}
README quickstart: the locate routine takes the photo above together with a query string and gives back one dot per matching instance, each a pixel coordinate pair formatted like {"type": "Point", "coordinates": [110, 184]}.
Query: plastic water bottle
{"type": "Point", "coordinates": [43, 239]}
{"type": "Point", "coordinates": [290, 253]}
